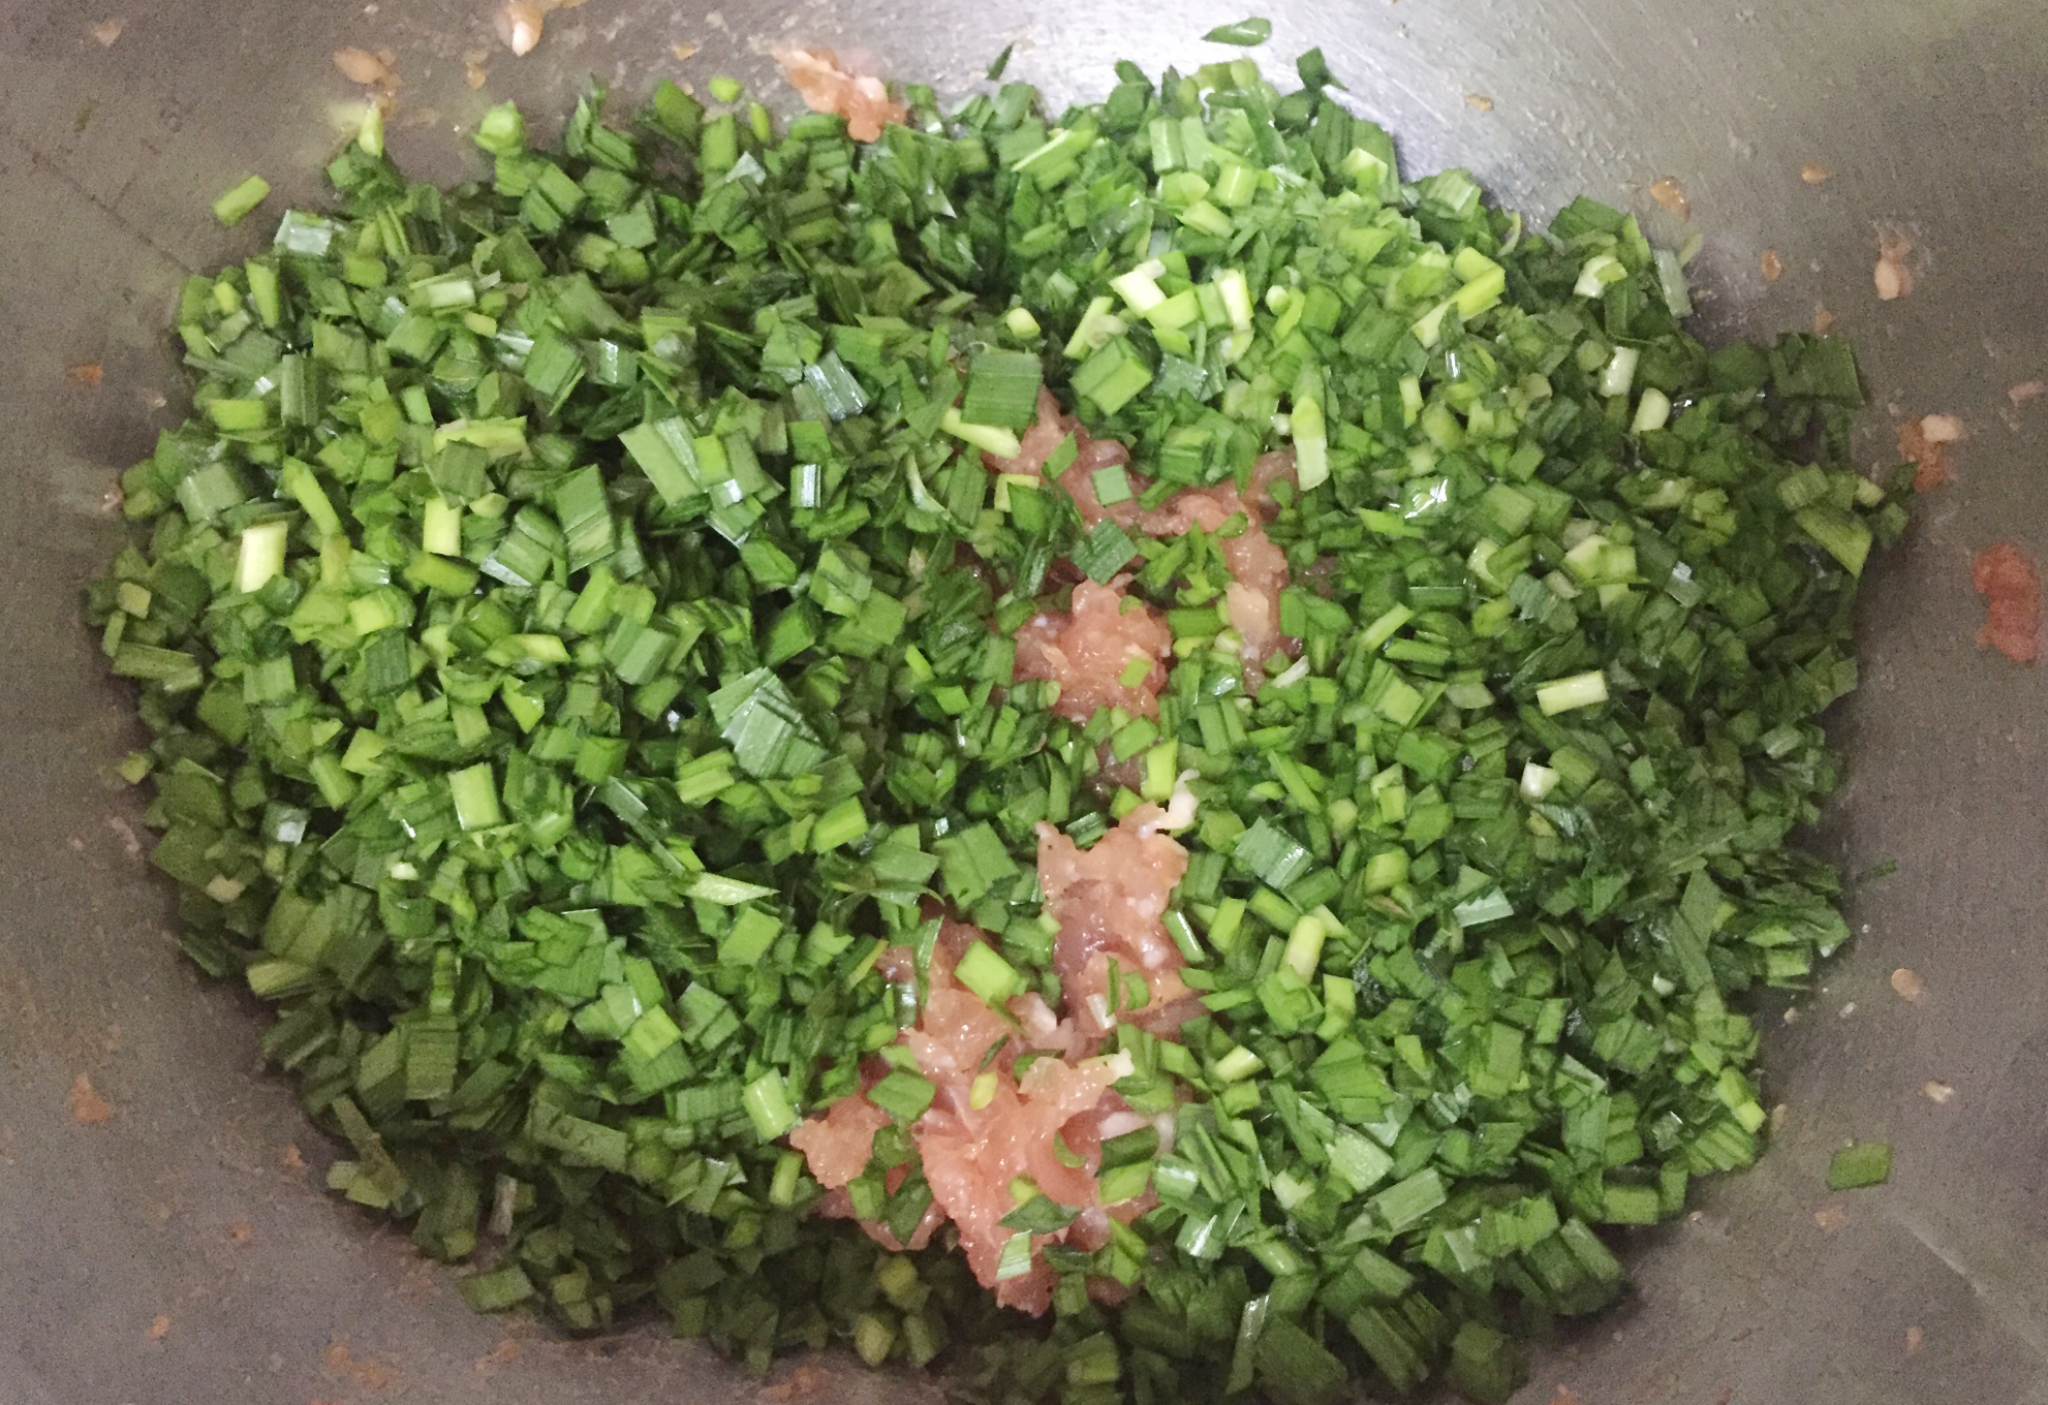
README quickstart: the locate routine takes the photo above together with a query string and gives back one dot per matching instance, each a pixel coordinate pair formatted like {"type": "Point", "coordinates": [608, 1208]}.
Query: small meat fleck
{"type": "Point", "coordinates": [107, 31]}
{"type": "Point", "coordinates": [1906, 981]}
{"type": "Point", "coordinates": [2012, 592]}
{"type": "Point", "coordinates": [86, 373]}
{"type": "Point", "coordinates": [125, 832]}
{"type": "Point", "coordinates": [1564, 1395]}
{"type": "Point", "coordinates": [158, 1327]}
{"type": "Point", "coordinates": [1823, 320]}
{"type": "Point", "coordinates": [1893, 273]}
{"type": "Point", "coordinates": [1830, 1218]}
{"type": "Point", "coordinates": [88, 1106]}
{"type": "Point", "coordinates": [1671, 195]}
{"type": "Point", "coordinates": [1479, 102]}
{"type": "Point", "coordinates": [503, 1354]}
{"type": "Point", "coordinates": [241, 1231]}
{"type": "Point", "coordinates": [800, 1384]}
{"type": "Point", "coordinates": [1813, 173]}
{"type": "Point", "coordinates": [361, 66]}
{"type": "Point", "coordinates": [1924, 442]}
{"type": "Point", "coordinates": [860, 98]}
{"type": "Point", "coordinates": [684, 52]}
{"type": "Point", "coordinates": [1936, 1091]}
{"type": "Point", "coordinates": [372, 1376]}
{"type": "Point", "coordinates": [519, 25]}
{"type": "Point", "coordinates": [1915, 1339]}
{"type": "Point", "coordinates": [2026, 392]}
{"type": "Point", "coordinates": [1773, 267]}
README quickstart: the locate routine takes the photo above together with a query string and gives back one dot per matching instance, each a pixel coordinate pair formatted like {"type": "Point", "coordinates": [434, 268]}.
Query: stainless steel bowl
{"type": "Point", "coordinates": [177, 1251]}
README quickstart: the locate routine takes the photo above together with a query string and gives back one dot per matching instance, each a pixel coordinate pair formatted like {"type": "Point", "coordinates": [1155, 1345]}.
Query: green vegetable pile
{"type": "Point", "coordinates": [574, 630]}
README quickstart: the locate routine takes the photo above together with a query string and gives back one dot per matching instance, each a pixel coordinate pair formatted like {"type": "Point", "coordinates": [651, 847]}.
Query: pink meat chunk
{"type": "Point", "coordinates": [1087, 648]}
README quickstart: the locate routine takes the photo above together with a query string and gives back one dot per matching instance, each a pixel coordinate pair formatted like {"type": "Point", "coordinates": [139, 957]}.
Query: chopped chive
{"type": "Point", "coordinates": [903, 1094]}
{"type": "Point", "coordinates": [502, 132]}
{"type": "Point", "coordinates": [989, 438]}
{"type": "Point", "coordinates": [988, 975]}
{"type": "Point", "coordinates": [1112, 375]}
{"type": "Point", "coordinates": [261, 556]}
{"type": "Point", "coordinates": [596, 567]}
{"type": "Point", "coordinates": [370, 132]}
{"type": "Point", "coordinates": [767, 1103]}
{"type": "Point", "coordinates": [1015, 1260]}
{"type": "Point", "coordinates": [441, 528]}
{"type": "Point", "coordinates": [234, 204]}
{"type": "Point", "coordinates": [1239, 1063]}
{"type": "Point", "coordinates": [1305, 945]}
{"type": "Point", "coordinates": [1112, 485]}
{"type": "Point", "coordinates": [1653, 411]}
{"type": "Point", "coordinates": [1061, 458]}
{"type": "Point", "coordinates": [1002, 389]}
{"type": "Point", "coordinates": [1565, 694]}
{"type": "Point", "coordinates": [1105, 551]}
{"type": "Point", "coordinates": [874, 1337]}
{"type": "Point", "coordinates": [1243, 33]}
{"type": "Point", "coordinates": [1864, 1164]}
{"type": "Point", "coordinates": [475, 793]}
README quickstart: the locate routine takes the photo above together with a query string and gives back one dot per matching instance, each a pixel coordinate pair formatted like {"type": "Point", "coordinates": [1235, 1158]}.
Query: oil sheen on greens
{"type": "Point", "coordinates": [563, 678]}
